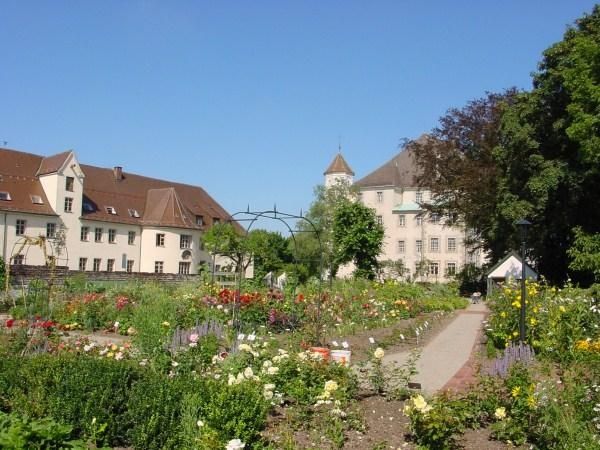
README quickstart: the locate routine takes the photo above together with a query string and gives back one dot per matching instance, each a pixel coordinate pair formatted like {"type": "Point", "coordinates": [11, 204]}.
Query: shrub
{"type": "Point", "coordinates": [23, 433]}
{"type": "Point", "coordinates": [73, 390]}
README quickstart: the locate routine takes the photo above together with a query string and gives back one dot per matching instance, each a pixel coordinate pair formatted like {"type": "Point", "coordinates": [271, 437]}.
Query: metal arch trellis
{"type": "Point", "coordinates": [250, 217]}
{"type": "Point", "coordinates": [51, 248]}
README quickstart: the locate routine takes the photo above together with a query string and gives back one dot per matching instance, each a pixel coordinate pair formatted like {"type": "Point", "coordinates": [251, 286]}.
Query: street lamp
{"type": "Point", "coordinates": [523, 224]}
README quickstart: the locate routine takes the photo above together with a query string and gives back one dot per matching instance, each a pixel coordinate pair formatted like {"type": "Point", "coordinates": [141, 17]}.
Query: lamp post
{"type": "Point", "coordinates": [523, 224]}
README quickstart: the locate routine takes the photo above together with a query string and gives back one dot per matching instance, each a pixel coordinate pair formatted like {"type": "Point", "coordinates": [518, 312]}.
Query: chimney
{"type": "Point", "coordinates": [118, 172]}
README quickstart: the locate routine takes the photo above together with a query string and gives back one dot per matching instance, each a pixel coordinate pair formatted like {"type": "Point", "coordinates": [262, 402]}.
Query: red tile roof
{"type": "Point", "coordinates": [51, 164]}
{"type": "Point", "coordinates": [17, 177]}
{"type": "Point", "coordinates": [339, 165]}
{"type": "Point", "coordinates": [401, 171]}
{"type": "Point", "coordinates": [157, 202]}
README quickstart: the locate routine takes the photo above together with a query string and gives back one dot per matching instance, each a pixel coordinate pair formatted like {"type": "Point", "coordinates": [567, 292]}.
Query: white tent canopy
{"type": "Point", "coordinates": [509, 268]}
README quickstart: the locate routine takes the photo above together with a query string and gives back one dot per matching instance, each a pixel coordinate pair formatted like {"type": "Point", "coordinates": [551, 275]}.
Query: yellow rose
{"type": "Point", "coordinates": [500, 413]}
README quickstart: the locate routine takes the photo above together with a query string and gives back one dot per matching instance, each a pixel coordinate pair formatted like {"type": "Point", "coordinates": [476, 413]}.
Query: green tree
{"type": "Point", "coordinates": [268, 250]}
{"type": "Point", "coordinates": [457, 164]}
{"type": "Point", "coordinates": [224, 239]}
{"type": "Point", "coordinates": [321, 214]}
{"type": "Point", "coordinates": [357, 237]}
{"type": "Point", "coordinates": [585, 253]}
{"type": "Point", "coordinates": [533, 155]}
{"type": "Point", "coordinates": [550, 153]}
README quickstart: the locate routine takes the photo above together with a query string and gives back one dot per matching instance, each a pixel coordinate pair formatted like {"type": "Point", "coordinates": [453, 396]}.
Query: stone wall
{"type": "Point", "coordinates": [21, 275]}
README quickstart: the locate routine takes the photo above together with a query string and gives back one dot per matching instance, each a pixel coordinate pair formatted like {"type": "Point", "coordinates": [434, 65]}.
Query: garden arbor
{"type": "Point", "coordinates": [248, 219]}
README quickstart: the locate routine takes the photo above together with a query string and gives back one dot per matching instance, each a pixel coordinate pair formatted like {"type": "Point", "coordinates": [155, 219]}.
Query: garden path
{"type": "Point", "coordinates": [444, 356]}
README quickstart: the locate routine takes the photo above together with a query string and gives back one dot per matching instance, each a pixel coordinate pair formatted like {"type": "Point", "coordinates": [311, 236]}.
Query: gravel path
{"type": "Point", "coordinates": [446, 354]}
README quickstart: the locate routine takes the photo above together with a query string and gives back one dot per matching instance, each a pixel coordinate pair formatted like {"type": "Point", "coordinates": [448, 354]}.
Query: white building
{"type": "Point", "coordinates": [112, 220]}
{"type": "Point", "coordinates": [429, 249]}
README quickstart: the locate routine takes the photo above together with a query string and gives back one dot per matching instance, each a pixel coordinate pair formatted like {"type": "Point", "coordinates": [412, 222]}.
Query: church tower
{"type": "Point", "coordinates": [338, 170]}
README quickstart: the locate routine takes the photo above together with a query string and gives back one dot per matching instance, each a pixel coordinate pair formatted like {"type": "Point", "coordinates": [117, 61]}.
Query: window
{"type": "Point", "coordinates": [87, 206]}
{"type": "Point", "coordinates": [451, 245]}
{"type": "Point", "coordinates": [36, 200]}
{"type": "Point", "coordinates": [419, 197]}
{"type": "Point", "coordinates": [69, 182]}
{"type": "Point", "coordinates": [160, 240]}
{"type": "Point", "coordinates": [19, 260]}
{"type": "Point", "coordinates": [98, 235]}
{"type": "Point", "coordinates": [85, 231]}
{"type": "Point", "coordinates": [216, 220]}
{"type": "Point", "coordinates": [129, 265]}
{"type": "Point", "coordinates": [111, 210]}
{"type": "Point", "coordinates": [434, 244]}
{"type": "Point", "coordinates": [68, 204]}
{"type": "Point", "coordinates": [184, 268]}
{"type": "Point", "coordinates": [401, 247]}
{"type": "Point", "coordinates": [419, 220]}
{"type": "Point", "coordinates": [419, 246]}
{"type": "Point", "coordinates": [20, 227]}
{"type": "Point", "coordinates": [110, 265]}
{"type": "Point", "coordinates": [451, 269]}
{"type": "Point", "coordinates": [131, 237]}
{"type": "Point", "coordinates": [158, 266]}
{"type": "Point", "coordinates": [379, 197]}
{"type": "Point", "coordinates": [82, 263]}
{"type": "Point", "coordinates": [379, 220]}
{"type": "Point", "coordinates": [401, 220]}
{"type": "Point", "coordinates": [199, 220]}
{"type": "Point", "coordinates": [112, 235]}
{"type": "Point", "coordinates": [435, 218]}
{"type": "Point", "coordinates": [133, 213]}
{"type": "Point", "coordinates": [434, 268]}
{"type": "Point", "coordinates": [50, 230]}
{"type": "Point", "coordinates": [185, 241]}
{"type": "Point", "coordinates": [97, 262]}
{"type": "Point", "coordinates": [5, 196]}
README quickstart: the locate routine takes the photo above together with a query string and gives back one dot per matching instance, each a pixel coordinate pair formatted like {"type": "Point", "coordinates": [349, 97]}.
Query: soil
{"type": "Point", "coordinates": [378, 422]}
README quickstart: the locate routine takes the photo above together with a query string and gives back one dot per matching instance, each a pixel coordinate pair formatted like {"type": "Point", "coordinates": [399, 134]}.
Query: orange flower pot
{"type": "Point", "coordinates": [323, 351]}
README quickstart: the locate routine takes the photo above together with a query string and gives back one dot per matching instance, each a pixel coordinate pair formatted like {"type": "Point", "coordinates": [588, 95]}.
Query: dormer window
{"type": "Point", "coordinates": [36, 200]}
{"type": "Point", "coordinates": [5, 196]}
{"type": "Point", "coordinates": [111, 210]}
{"type": "Point", "coordinates": [133, 213]}
{"type": "Point", "coordinates": [200, 220]}
{"type": "Point", "coordinates": [216, 220]}
{"type": "Point", "coordinates": [87, 206]}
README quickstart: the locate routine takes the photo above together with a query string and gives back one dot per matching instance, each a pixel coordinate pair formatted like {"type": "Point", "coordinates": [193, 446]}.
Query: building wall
{"type": "Point", "coordinates": [171, 253]}
{"type": "Point", "coordinates": [383, 201]}
{"type": "Point", "coordinates": [332, 179]}
{"type": "Point", "coordinates": [120, 251]}
{"type": "Point", "coordinates": [35, 226]}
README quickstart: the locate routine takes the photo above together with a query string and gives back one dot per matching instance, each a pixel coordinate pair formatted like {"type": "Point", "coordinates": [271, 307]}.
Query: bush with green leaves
{"type": "Point", "coordinates": [79, 391]}
{"type": "Point", "coordinates": [18, 433]}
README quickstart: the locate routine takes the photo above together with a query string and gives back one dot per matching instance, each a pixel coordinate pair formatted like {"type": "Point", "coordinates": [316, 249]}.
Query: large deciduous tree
{"type": "Point", "coordinates": [550, 153]}
{"type": "Point", "coordinates": [321, 215]}
{"type": "Point", "coordinates": [532, 154]}
{"type": "Point", "coordinates": [357, 238]}
{"type": "Point", "coordinates": [458, 166]}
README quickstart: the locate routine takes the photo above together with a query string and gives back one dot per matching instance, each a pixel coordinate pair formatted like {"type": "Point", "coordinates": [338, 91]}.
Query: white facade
{"type": "Point", "coordinates": [93, 244]}
{"type": "Point", "coordinates": [429, 248]}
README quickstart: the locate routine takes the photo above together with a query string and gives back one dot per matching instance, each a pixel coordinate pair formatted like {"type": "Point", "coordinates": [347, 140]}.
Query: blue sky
{"type": "Point", "coordinates": [250, 98]}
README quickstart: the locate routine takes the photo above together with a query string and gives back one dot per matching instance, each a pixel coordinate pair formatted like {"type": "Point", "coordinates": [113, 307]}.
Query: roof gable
{"type": "Point", "coordinates": [510, 267]}
{"type": "Point", "coordinates": [17, 177]}
{"type": "Point", "coordinates": [400, 171]}
{"type": "Point", "coordinates": [164, 208]}
{"type": "Point", "coordinates": [339, 165]}
{"type": "Point", "coordinates": [54, 163]}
